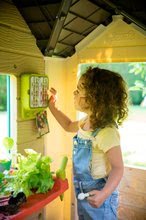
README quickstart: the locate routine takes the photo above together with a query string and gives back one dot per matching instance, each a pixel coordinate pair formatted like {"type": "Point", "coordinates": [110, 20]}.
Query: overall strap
{"type": "Point", "coordinates": [95, 132]}
{"type": "Point", "coordinates": [116, 125]}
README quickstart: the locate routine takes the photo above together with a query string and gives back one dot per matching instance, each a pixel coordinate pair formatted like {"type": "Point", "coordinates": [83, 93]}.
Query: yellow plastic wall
{"type": "Point", "coordinates": [118, 42]}
{"type": "Point", "coordinates": [62, 76]}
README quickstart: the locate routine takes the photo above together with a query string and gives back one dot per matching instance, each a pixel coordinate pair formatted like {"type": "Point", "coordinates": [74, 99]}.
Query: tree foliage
{"type": "Point", "coordinates": [3, 93]}
{"type": "Point", "coordinates": [139, 69]}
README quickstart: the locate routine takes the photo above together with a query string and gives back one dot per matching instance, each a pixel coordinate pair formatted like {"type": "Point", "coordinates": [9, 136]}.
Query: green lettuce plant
{"type": "Point", "coordinates": [32, 174]}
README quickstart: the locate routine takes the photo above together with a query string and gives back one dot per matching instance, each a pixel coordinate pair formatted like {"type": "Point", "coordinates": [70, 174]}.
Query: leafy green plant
{"type": "Point", "coordinates": [32, 174]}
{"type": "Point", "coordinates": [1, 183]}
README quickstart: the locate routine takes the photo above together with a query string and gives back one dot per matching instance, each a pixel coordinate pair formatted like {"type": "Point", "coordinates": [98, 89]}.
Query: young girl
{"type": "Point", "coordinates": [97, 158]}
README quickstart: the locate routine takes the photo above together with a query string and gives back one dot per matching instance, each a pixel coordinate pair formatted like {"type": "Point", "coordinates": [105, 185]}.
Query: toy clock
{"type": "Point", "coordinates": [34, 97]}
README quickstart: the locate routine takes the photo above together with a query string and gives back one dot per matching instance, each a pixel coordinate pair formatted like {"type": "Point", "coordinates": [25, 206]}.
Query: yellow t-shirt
{"type": "Point", "coordinates": [105, 139]}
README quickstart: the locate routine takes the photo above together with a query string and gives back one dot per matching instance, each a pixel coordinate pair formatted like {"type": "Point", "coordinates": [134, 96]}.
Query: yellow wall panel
{"type": "Point", "coordinates": [27, 131]}
{"type": "Point", "coordinates": [55, 141]}
{"type": "Point", "coordinates": [118, 34]}
{"type": "Point", "coordinates": [12, 63]}
{"type": "Point", "coordinates": [15, 41]}
{"type": "Point", "coordinates": [117, 42]}
{"type": "Point", "coordinates": [19, 54]}
{"type": "Point", "coordinates": [63, 77]}
{"type": "Point", "coordinates": [37, 145]}
{"type": "Point", "coordinates": [122, 54]}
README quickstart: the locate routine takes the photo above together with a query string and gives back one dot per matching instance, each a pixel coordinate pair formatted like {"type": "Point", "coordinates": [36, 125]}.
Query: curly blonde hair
{"type": "Point", "coordinates": [106, 95]}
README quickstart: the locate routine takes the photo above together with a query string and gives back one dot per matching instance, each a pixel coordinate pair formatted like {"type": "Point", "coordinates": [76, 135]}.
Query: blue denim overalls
{"type": "Point", "coordinates": [84, 182]}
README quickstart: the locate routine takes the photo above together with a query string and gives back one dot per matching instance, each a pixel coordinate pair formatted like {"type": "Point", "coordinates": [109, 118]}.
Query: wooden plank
{"type": "Point", "coordinates": [16, 64]}
{"type": "Point", "coordinates": [27, 131]}
{"type": "Point", "coordinates": [16, 41]}
{"type": "Point", "coordinates": [18, 54]}
{"type": "Point", "coordinates": [131, 185]}
{"type": "Point", "coordinates": [132, 195]}
{"type": "Point", "coordinates": [37, 145]}
{"type": "Point", "coordinates": [10, 16]}
{"type": "Point", "coordinates": [135, 172]}
{"type": "Point", "coordinates": [133, 181]}
{"type": "Point", "coordinates": [131, 213]}
{"type": "Point", "coordinates": [134, 200]}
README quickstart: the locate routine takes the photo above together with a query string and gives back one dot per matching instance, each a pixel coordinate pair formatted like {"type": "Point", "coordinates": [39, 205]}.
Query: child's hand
{"type": "Point", "coordinates": [53, 97]}
{"type": "Point", "coordinates": [95, 198]}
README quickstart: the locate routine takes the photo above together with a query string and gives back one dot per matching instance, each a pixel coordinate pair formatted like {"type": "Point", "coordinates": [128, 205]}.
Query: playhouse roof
{"type": "Point", "coordinates": [59, 25]}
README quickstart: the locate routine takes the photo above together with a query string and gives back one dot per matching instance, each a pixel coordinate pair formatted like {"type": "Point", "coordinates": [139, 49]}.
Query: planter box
{"type": "Point", "coordinates": [38, 201]}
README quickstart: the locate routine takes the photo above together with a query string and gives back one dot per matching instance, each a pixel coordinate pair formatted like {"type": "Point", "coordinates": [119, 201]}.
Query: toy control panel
{"type": "Point", "coordinates": [34, 97]}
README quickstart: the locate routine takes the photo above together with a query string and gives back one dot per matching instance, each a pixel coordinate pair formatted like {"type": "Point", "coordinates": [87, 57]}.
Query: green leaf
{"type": "Point", "coordinates": [139, 83]}
{"type": "Point", "coordinates": [8, 143]}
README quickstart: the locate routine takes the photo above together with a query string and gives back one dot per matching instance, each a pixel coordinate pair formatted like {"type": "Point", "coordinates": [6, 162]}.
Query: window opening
{"type": "Point", "coordinates": [7, 110]}
{"type": "Point", "coordinates": [133, 130]}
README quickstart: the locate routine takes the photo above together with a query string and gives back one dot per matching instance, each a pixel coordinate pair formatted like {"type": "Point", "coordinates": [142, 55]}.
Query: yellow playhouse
{"type": "Point", "coordinates": [117, 41]}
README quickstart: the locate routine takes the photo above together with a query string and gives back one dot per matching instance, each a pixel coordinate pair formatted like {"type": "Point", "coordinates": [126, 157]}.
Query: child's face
{"type": "Point", "coordinates": [80, 98]}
